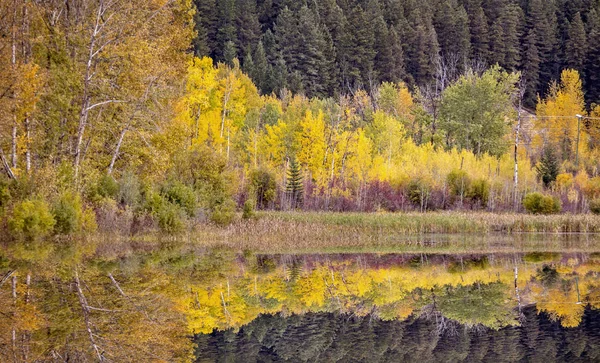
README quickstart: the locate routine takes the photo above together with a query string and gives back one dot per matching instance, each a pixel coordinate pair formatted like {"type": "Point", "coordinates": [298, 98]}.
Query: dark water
{"type": "Point", "coordinates": [175, 301]}
{"type": "Point", "coordinates": [331, 337]}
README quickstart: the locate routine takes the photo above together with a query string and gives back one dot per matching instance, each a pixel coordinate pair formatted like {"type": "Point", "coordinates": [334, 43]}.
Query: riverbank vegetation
{"type": "Point", "coordinates": [111, 123]}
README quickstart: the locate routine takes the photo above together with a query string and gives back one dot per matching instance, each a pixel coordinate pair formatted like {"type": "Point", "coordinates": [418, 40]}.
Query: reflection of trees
{"type": "Point", "coordinates": [332, 337]}
{"type": "Point", "coordinates": [128, 301]}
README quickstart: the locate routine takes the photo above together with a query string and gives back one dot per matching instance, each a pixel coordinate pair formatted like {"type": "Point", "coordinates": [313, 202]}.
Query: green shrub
{"type": "Point", "coordinates": [130, 190]}
{"type": "Point", "coordinates": [458, 182]}
{"type": "Point", "coordinates": [263, 187]}
{"type": "Point", "coordinates": [31, 219]}
{"type": "Point", "coordinates": [595, 206]}
{"type": "Point", "coordinates": [538, 203]}
{"type": "Point", "coordinates": [418, 192]}
{"type": "Point", "coordinates": [223, 213]}
{"type": "Point", "coordinates": [248, 211]}
{"type": "Point", "coordinates": [480, 191]}
{"type": "Point", "coordinates": [5, 195]}
{"type": "Point", "coordinates": [182, 195]}
{"type": "Point", "coordinates": [68, 213]}
{"type": "Point", "coordinates": [107, 187]}
{"type": "Point", "coordinates": [170, 218]}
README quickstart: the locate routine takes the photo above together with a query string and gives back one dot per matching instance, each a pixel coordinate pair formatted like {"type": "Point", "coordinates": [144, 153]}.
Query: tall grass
{"type": "Point", "coordinates": [411, 232]}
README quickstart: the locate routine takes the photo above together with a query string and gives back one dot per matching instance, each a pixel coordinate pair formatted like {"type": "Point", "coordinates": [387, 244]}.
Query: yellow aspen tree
{"type": "Point", "coordinates": [557, 122]}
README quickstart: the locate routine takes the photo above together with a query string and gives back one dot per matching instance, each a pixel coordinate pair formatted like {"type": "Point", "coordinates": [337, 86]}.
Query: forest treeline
{"type": "Point", "coordinates": [109, 120]}
{"type": "Point", "coordinates": [327, 47]}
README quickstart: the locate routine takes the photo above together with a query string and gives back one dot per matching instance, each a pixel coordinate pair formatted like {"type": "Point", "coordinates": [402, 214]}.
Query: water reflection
{"type": "Point", "coordinates": [142, 300]}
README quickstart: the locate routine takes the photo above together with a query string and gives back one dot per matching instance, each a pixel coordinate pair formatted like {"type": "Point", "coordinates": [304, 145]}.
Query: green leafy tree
{"type": "Point", "coordinates": [475, 111]}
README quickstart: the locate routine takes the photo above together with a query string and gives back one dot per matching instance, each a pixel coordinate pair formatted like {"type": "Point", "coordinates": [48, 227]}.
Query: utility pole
{"type": "Point", "coordinates": [579, 117]}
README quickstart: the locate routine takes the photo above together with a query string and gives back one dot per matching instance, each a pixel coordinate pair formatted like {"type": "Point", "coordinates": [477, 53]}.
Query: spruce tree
{"type": "Point", "coordinates": [248, 27]}
{"type": "Point", "coordinates": [592, 70]}
{"type": "Point", "coordinates": [226, 31]}
{"type": "Point", "coordinates": [311, 63]}
{"type": "Point", "coordinates": [478, 25]}
{"type": "Point", "coordinates": [206, 27]}
{"type": "Point", "coordinates": [295, 186]}
{"type": "Point", "coordinates": [360, 55]}
{"type": "Point", "coordinates": [261, 68]}
{"type": "Point", "coordinates": [531, 69]}
{"type": "Point", "coordinates": [229, 53]}
{"type": "Point", "coordinates": [576, 45]}
{"type": "Point", "coordinates": [548, 167]}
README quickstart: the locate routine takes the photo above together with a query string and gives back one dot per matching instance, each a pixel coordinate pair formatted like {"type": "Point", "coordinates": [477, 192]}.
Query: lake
{"type": "Point", "coordinates": [118, 300]}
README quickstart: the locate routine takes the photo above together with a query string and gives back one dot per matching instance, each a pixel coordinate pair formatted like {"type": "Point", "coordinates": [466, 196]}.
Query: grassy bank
{"type": "Point", "coordinates": [413, 232]}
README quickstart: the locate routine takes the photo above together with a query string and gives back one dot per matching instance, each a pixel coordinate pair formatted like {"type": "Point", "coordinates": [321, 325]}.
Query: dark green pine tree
{"type": "Point", "coordinates": [261, 68]}
{"type": "Point", "coordinates": [248, 66]}
{"type": "Point", "coordinates": [205, 27]}
{"type": "Point", "coordinates": [549, 166]}
{"type": "Point", "coordinates": [511, 34]}
{"type": "Point", "coordinates": [328, 69]}
{"type": "Point", "coordinates": [294, 187]}
{"type": "Point", "coordinates": [531, 69]}
{"type": "Point", "coordinates": [229, 53]}
{"type": "Point", "coordinates": [478, 26]}
{"type": "Point", "coordinates": [592, 69]}
{"type": "Point", "coordinates": [497, 46]}
{"type": "Point", "coordinates": [289, 39]}
{"type": "Point", "coordinates": [311, 63]}
{"type": "Point", "coordinates": [541, 19]}
{"type": "Point", "coordinates": [383, 63]}
{"type": "Point", "coordinates": [226, 31]}
{"type": "Point", "coordinates": [276, 75]}
{"type": "Point", "coordinates": [397, 71]}
{"type": "Point", "coordinates": [360, 54]}
{"type": "Point", "coordinates": [452, 28]}
{"type": "Point", "coordinates": [248, 27]}
{"type": "Point", "coordinates": [424, 53]}
{"type": "Point", "coordinates": [576, 45]}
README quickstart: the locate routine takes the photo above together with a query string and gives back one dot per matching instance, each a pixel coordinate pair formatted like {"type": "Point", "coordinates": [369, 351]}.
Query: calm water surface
{"type": "Point", "coordinates": [128, 301]}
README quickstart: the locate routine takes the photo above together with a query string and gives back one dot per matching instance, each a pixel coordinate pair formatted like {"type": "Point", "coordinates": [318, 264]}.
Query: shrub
{"type": "Point", "coordinates": [480, 191]}
{"type": "Point", "coordinates": [263, 187]}
{"type": "Point", "coordinates": [538, 203]}
{"type": "Point", "coordinates": [68, 213]}
{"type": "Point", "coordinates": [595, 206]}
{"type": "Point", "coordinates": [592, 188]}
{"type": "Point", "coordinates": [223, 213]}
{"type": "Point", "coordinates": [31, 219]}
{"type": "Point", "coordinates": [107, 187]}
{"type": "Point", "coordinates": [458, 182]}
{"type": "Point", "coordinates": [248, 211]}
{"type": "Point", "coordinates": [170, 218]}
{"type": "Point", "coordinates": [418, 192]}
{"type": "Point", "coordinates": [129, 190]}
{"type": "Point", "coordinates": [88, 221]}
{"type": "Point", "coordinates": [182, 195]}
{"type": "Point", "coordinates": [4, 193]}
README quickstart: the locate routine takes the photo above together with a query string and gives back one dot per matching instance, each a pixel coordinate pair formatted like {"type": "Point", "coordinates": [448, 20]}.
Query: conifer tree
{"type": "Point", "coordinates": [229, 53]}
{"type": "Point", "coordinates": [248, 27]}
{"type": "Point", "coordinates": [592, 70]}
{"type": "Point", "coordinates": [295, 185]}
{"type": "Point", "coordinates": [205, 26]}
{"type": "Point", "coordinates": [226, 31]}
{"type": "Point", "coordinates": [261, 68]}
{"type": "Point", "coordinates": [576, 45]}
{"type": "Point", "coordinates": [478, 26]}
{"type": "Point", "coordinates": [548, 167]}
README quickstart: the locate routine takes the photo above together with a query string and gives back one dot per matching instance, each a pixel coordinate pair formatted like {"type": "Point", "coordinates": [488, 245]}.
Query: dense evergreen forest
{"type": "Point", "coordinates": [330, 337]}
{"type": "Point", "coordinates": [108, 119]}
{"type": "Point", "coordinates": [328, 47]}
